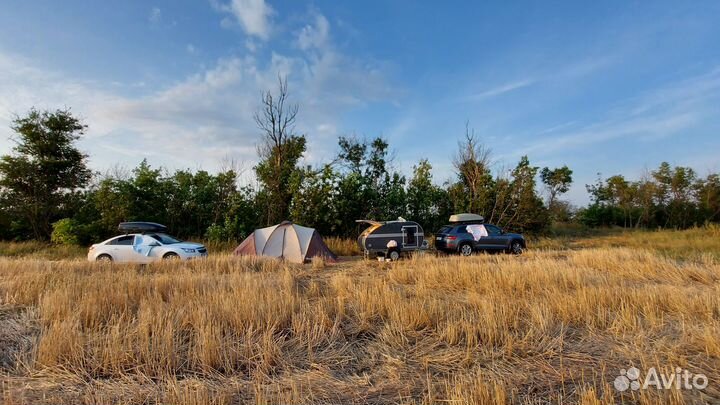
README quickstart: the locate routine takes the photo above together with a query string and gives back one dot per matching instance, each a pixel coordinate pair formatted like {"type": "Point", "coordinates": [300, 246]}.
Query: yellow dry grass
{"type": "Point", "coordinates": [343, 246]}
{"type": "Point", "coordinates": [40, 250]}
{"type": "Point", "coordinates": [551, 326]}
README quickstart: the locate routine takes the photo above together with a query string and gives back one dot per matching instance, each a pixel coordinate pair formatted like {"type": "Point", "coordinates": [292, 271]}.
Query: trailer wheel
{"type": "Point", "coordinates": [394, 255]}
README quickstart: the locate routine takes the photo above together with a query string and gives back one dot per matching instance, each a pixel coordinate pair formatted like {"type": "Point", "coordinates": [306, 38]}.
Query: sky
{"type": "Point", "coordinates": [610, 87]}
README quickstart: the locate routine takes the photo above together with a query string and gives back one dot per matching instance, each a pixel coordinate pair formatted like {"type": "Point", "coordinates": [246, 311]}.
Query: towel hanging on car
{"type": "Point", "coordinates": [477, 231]}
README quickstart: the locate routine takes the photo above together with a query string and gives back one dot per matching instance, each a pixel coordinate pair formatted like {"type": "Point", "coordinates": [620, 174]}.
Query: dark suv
{"type": "Point", "coordinates": [457, 238]}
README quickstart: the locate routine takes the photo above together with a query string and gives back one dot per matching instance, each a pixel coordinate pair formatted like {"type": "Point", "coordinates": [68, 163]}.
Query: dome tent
{"type": "Point", "coordinates": [287, 241]}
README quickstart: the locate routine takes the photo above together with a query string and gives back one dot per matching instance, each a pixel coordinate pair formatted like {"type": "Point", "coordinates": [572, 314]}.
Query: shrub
{"type": "Point", "coordinates": [66, 232]}
{"type": "Point", "coordinates": [228, 231]}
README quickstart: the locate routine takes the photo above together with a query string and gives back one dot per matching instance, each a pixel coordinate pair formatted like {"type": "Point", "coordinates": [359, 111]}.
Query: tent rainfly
{"type": "Point", "coordinates": [287, 241]}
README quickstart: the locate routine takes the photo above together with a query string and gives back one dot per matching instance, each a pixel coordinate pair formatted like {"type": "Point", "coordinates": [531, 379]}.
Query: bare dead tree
{"type": "Point", "coordinates": [280, 149]}
{"type": "Point", "coordinates": [276, 119]}
{"type": "Point", "coordinates": [229, 163]}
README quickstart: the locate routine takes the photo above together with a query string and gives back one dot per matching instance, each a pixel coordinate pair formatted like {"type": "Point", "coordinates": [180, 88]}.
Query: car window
{"type": "Point", "coordinates": [461, 229]}
{"type": "Point", "coordinates": [163, 238]}
{"type": "Point", "coordinates": [492, 230]}
{"type": "Point", "coordinates": [123, 240]}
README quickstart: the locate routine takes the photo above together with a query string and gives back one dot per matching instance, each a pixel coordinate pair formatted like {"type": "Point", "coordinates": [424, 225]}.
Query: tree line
{"type": "Point", "coordinates": [48, 192]}
{"type": "Point", "coordinates": [667, 197]}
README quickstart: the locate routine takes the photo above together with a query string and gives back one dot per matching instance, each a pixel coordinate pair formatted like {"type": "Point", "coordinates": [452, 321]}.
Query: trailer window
{"type": "Point", "coordinates": [409, 235]}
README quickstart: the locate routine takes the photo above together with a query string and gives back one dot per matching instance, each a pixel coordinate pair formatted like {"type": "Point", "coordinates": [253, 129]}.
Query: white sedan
{"type": "Point", "coordinates": [144, 248]}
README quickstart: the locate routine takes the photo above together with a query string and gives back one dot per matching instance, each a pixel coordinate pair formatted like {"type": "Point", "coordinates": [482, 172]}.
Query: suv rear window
{"type": "Point", "coordinates": [461, 229]}
{"type": "Point", "coordinates": [445, 229]}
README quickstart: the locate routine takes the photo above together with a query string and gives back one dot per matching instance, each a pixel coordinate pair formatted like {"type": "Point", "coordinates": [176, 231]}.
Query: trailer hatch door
{"type": "Point", "coordinates": [410, 236]}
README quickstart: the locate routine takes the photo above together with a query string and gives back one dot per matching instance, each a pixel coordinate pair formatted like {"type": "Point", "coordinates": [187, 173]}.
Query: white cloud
{"type": "Point", "coordinates": [314, 36]}
{"type": "Point", "coordinates": [253, 16]}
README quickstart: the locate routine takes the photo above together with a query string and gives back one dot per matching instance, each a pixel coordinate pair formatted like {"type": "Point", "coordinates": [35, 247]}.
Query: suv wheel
{"type": "Point", "coordinates": [171, 256]}
{"type": "Point", "coordinates": [466, 249]}
{"type": "Point", "coordinates": [516, 248]}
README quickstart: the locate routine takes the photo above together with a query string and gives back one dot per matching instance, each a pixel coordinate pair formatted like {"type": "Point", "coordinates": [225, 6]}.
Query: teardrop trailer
{"type": "Point", "coordinates": [391, 239]}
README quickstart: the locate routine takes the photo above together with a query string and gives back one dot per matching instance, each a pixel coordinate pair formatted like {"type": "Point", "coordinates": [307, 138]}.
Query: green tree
{"type": "Point", "coordinates": [239, 219]}
{"type": "Point", "coordinates": [45, 169]}
{"type": "Point", "coordinates": [708, 194]}
{"type": "Point", "coordinates": [557, 181]}
{"type": "Point", "coordinates": [148, 194]}
{"type": "Point", "coordinates": [113, 202]}
{"type": "Point", "coordinates": [352, 153]}
{"type": "Point", "coordinates": [351, 202]}
{"type": "Point", "coordinates": [674, 195]}
{"type": "Point", "coordinates": [425, 200]}
{"type": "Point", "coordinates": [313, 202]}
{"type": "Point", "coordinates": [623, 194]}
{"type": "Point", "coordinates": [354, 196]}
{"type": "Point", "coordinates": [365, 187]}
{"type": "Point", "coordinates": [529, 213]}
{"type": "Point", "coordinates": [393, 198]}
{"type": "Point", "coordinates": [376, 180]}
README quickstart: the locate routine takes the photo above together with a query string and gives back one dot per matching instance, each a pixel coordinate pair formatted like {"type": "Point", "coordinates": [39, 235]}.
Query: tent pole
{"type": "Point", "coordinates": [282, 254]}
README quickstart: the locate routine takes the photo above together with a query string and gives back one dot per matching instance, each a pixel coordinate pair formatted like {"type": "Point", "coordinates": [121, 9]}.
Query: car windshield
{"type": "Point", "coordinates": [163, 238]}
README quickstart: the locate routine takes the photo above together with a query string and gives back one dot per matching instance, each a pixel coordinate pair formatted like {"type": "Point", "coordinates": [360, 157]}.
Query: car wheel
{"type": "Point", "coordinates": [516, 248]}
{"type": "Point", "coordinates": [466, 249]}
{"type": "Point", "coordinates": [394, 255]}
{"type": "Point", "coordinates": [171, 256]}
{"type": "Point", "coordinates": [104, 259]}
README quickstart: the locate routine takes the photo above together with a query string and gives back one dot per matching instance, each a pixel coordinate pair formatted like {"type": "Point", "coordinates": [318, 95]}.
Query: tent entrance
{"type": "Point", "coordinates": [410, 236]}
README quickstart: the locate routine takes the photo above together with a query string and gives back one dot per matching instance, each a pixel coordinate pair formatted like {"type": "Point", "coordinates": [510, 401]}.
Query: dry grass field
{"type": "Point", "coordinates": [553, 326]}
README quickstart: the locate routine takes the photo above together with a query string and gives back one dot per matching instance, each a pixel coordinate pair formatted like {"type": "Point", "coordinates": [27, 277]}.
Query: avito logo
{"type": "Point", "coordinates": [681, 379]}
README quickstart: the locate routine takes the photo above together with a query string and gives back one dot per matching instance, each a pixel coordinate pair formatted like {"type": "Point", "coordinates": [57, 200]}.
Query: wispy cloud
{"type": "Point", "coordinates": [314, 35]}
{"type": "Point", "coordinates": [499, 90]}
{"type": "Point", "coordinates": [155, 15]}
{"type": "Point", "coordinates": [556, 128]}
{"type": "Point", "coordinates": [658, 113]}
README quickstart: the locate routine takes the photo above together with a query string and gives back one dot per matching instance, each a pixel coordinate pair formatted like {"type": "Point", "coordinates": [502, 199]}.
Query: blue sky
{"type": "Point", "coordinates": [610, 87]}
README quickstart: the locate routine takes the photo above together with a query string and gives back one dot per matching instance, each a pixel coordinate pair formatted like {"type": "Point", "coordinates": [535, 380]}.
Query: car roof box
{"type": "Point", "coordinates": [466, 219]}
{"type": "Point", "coordinates": [141, 227]}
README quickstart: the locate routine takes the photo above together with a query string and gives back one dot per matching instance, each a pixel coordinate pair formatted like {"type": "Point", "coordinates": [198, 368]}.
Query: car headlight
{"type": "Point", "coordinates": [188, 250]}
